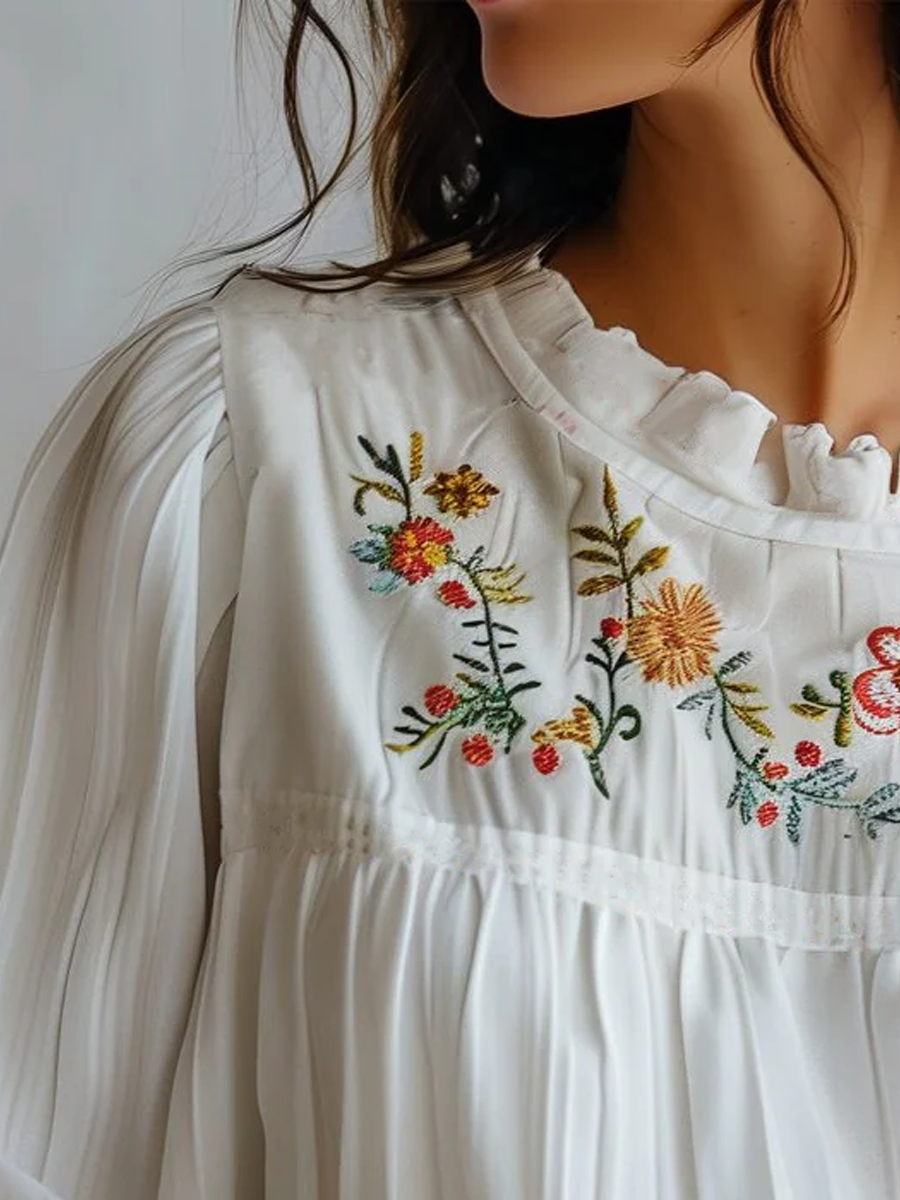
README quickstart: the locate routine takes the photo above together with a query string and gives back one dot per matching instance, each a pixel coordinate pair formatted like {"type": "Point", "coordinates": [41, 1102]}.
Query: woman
{"type": "Point", "coordinates": [447, 749]}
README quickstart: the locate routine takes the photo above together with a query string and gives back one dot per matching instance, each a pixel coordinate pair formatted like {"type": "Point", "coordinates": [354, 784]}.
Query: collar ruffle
{"type": "Point", "coordinates": [694, 422]}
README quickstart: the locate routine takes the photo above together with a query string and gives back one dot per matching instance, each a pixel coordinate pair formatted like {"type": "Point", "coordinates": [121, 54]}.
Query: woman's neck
{"type": "Point", "coordinates": [726, 251]}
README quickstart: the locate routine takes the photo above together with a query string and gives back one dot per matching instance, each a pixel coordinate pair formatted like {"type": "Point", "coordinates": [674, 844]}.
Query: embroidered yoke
{"type": "Point", "coordinates": [559, 771]}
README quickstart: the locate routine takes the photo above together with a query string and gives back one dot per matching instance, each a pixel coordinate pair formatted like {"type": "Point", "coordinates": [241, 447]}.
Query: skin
{"type": "Point", "coordinates": [725, 251]}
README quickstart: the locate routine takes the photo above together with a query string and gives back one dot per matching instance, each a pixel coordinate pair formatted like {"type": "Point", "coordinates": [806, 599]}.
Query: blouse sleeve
{"type": "Point", "coordinates": [117, 574]}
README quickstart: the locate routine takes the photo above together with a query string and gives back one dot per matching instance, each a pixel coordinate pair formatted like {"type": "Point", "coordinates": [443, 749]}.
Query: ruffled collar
{"type": "Point", "coordinates": [694, 423]}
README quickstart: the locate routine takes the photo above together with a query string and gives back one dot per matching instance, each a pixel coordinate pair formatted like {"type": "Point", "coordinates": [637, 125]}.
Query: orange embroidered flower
{"type": "Point", "coordinates": [876, 692]}
{"type": "Point", "coordinates": [462, 492]}
{"type": "Point", "coordinates": [672, 637]}
{"type": "Point", "coordinates": [580, 727]}
{"type": "Point", "coordinates": [418, 548]}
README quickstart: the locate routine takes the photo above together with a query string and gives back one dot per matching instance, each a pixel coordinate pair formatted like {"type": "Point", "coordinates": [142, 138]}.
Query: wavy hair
{"type": "Point", "coordinates": [465, 192]}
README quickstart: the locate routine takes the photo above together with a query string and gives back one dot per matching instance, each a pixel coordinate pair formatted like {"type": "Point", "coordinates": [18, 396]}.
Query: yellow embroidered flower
{"type": "Point", "coordinates": [672, 637]}
{"type": "Point", "coordinates": [461, 492]}
{"type": "Point", "coordinates": [580, 727]}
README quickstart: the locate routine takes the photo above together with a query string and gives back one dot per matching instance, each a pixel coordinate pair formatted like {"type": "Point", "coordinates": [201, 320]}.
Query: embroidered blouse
{"type": "Point", "coordinates": [549, 699]}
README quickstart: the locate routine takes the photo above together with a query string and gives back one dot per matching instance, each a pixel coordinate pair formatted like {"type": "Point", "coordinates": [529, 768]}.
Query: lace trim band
{"type": "Point", "coordinates": [681, 897]}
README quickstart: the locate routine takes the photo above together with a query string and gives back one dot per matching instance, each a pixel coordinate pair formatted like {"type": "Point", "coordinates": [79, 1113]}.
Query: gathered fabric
{"type": "Point", "coordinates": [448, 753]}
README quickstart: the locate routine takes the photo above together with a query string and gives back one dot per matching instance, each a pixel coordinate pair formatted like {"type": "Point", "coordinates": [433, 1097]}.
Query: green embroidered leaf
{"type": "Point", "coordinates": [792, 824]}
{"type": "Point", "coordinates": [472, 662]}
{"type": "Point", "coordinates": [439, 745]}
{"type": "Point", "coordinates": [843, 727]}
{"type": "Point", "coordinates": [597, 774]}
{"type": "Point", "coordinates": [370, 550]}
{"type": "Point", "coordinates": [741, 659]}
{"type": "Point", "coordinates": [385, 582]}
{"type": "Point", "coordinates": [630, 530]}
{"type": "Point", "coordinates": [610, 497]}
{"type": "Point", "coordinates": [376, 458]}
{"type": "Point", "coordinates": [747, 713]}
{"type": "Point", "coordinates": [742, 689]}
{"type": "Point", "coordinates": [830, 781]}
{"type": "Point", "coordinates": [514, 666]}
{"type": "Point", "coordinates": [808, 692]}
{"type": "Point", "coordinates": [621, 660]}
{"type": "Point", "coordinates": [596, 556]}
{"type": "Point", "coordinates": [748, 792]}
{"type": "Point", "coordinates": [748, 803]}
{"type": "Point", "coordinates": [651, 561]}
{"type": "Point", "coordinates": [594, 533]}
{"type": "Point", "coordinates": [708, 723]}
{"type": "Point", "coordinates": [697, 699]}
{"type": "Point", "coordinates": [813, 711]}
{"type": "Point", "coordinates": [374, 485]}
{"type": "Point", "coordinates": [477, 685]}
{"type": "Point", "coordinates": [505, 628]}
{"type": "Point", "coordinates": [416, 443]}
{"type": "Point", "coordinates": [883, 806]}
{"type": "Point", "coordinates": [523, 687]}
{"type": "Point", "coordinates": [884, 800]}
{"type": "Point", "coordinates": [735, 793]}
{"type": "Point", "coordinates": [499, 585]}
{"type": "Point", "coordinates": [394, 466]}
{"type": "Point", "coordinates": [598, 584]}
{"type": "Point", "coordinates": [409, 711]}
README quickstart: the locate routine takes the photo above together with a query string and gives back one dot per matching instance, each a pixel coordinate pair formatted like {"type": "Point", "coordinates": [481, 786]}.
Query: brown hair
{"type": "Point", "coordinates": [466, 192]}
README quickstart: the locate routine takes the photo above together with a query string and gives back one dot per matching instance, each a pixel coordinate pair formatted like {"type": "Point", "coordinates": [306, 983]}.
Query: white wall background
{"type": "Point", "coordinates": [124, 143]}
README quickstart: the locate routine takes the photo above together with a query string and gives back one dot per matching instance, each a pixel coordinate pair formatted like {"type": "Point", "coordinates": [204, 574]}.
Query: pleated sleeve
{"type": "Point", "coordinates": [118, 574]}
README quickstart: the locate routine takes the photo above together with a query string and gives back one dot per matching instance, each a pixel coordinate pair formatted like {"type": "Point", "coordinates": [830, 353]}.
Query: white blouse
{"type": "Point", "coordinates": [549, 699]}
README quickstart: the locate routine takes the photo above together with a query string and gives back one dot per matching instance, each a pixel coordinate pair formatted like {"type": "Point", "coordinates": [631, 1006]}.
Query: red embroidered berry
{"type": "Point", "coordinates": [546, 758]}
{"type": "Point", "coordinates": [477, 750]}
{"type": "Point", "coordinates": [767, 813]}
{"type": "Point", "coordinates": [440, 699]}
{"type": "Point", "coordinates": [808, 754]}
{"type": "Point", "coordinates": [611, 628]}
{"type": "Point", "coordinates": [775, 770]}
{"type": "Point", "coordinates": [455, 595]}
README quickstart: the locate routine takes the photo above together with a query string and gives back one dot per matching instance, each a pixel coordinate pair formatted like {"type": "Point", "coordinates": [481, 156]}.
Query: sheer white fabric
{"type": "Point", "coordinates": [255, 946]}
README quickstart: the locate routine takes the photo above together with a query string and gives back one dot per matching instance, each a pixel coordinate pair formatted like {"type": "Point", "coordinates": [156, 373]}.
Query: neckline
{"type": "Point", "coordinates": [688, 437]}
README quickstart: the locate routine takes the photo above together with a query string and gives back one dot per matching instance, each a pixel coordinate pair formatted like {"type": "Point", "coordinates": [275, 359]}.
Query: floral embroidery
{"type": "Point", "coordinates": [419, 548]}
{"type": "Point", "coordinates": [765, 789]}
{"type": "Point", "coordinates": [672, 638]}
{"type": "Point", "coordinates": [670, 635]}
{"type": "Point", "coordinates": [872, 700]}
{"type": "Point", "coordinates": [815, 706]}
{"type": "Point", "coordinates": [876, 692]}
{"type": "Point", "coordinates": [461, 492]}
{"type": "Point", "coordinates": [592, 723]}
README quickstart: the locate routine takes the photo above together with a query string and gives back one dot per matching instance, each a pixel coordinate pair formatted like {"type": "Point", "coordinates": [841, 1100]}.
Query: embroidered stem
{"type": "Point", "coordinates": [779, 788]}
{"type": "Point", "coordinates": [488, 619]}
